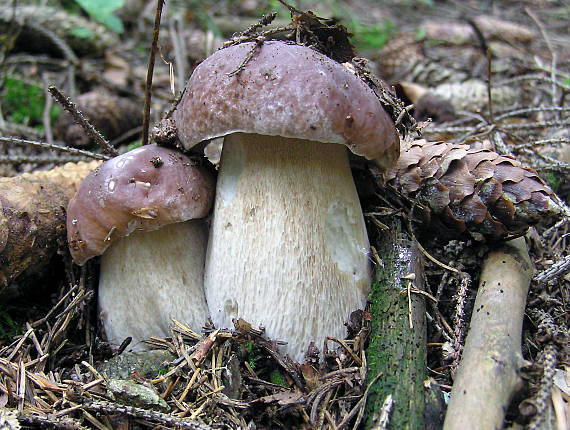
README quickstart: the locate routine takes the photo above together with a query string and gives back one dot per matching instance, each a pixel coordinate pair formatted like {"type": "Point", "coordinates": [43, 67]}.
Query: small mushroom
{"type": "Point", "coordinates": [288, 247]}
{"type": "Point", "coordinates": [141, 211]}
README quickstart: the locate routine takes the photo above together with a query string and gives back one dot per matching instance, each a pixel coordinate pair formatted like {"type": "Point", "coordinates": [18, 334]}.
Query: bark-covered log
{"type": "Point", "coordinates": [32, 217]}
{"type": "Point", "coordinates": [35, 21]}
{"type": "Point", "coordinates": [397, 351]}
{"type": "Point", "coordinates": [488, 375]}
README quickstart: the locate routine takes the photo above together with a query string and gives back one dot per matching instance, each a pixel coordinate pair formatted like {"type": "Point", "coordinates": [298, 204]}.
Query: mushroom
{"type": "Point", "coordinates": [288, 247]}
{"type": "Point", "coordinates": [141, 211]}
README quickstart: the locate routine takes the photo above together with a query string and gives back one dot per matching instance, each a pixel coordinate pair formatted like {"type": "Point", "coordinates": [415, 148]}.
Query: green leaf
{"type": "Point", "coordinates": [421, 34]}
{"type": "Point", "coordinates": [82, 33]}
{"type": "Point", "coordinates": [371, 37]}
{"type": "Point", "coordinates": [114, 23]}
{"type": "Point", "coordinates": [102, 11]}
{"type": "Point", "coordinates": [566, 81]}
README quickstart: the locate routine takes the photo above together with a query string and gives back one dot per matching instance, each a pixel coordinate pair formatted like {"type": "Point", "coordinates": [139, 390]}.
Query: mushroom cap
{"type": "Point", "coordinates": [143, 189]}
{"type": "Point", "coordinates": [285, 90]}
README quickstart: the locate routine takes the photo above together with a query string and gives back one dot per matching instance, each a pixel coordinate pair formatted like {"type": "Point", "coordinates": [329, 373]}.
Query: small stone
{"type": "Point", "coordinates": [132, 394]}
{"type": "Point", "coordinates": [148, 364]}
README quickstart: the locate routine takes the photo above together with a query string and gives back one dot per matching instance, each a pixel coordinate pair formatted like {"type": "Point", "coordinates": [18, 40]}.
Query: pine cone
{"type": "Point", "coordinates": [459, 192]}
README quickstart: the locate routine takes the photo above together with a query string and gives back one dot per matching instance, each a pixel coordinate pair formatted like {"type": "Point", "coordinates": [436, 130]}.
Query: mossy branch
{"type": "Point", "coordinates": [397, 350]}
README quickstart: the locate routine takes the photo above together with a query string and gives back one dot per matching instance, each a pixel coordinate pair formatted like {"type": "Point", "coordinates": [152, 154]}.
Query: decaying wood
{"type": "Point", "coordinates": [493, 28]}
{"type": "Point", "coordinates": [63, 24]}
{"type": "Point", "coordinates": [32, 217]}
{"type": "Point", "coordinates": [487, 377]}
{"type": "Point", "coordinates": [397, 350]}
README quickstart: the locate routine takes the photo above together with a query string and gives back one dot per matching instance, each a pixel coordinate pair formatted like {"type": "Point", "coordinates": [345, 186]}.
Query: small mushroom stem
{"type": "Point", "coordinates": [288, 248]}
{"type": "Point", "coordinates": [150, 277]}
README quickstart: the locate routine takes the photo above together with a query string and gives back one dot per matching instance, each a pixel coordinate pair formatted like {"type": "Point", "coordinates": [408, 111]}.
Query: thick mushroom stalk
{"type": "Point", "coordinates": [287, 247]}
{"type": "Point", "coordinates": [140, 211]}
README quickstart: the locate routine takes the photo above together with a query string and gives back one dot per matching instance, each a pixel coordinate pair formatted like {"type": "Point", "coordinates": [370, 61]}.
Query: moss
{"type": "Point", "coordinates": [277, 378]}
{"type": "Point", "coordinates": [8, 327]}
{"type": "Point", "coordinates": [250, 355]}
{"type": "Point", "coordinates": [134, 145]}
{"type": "Point", "coordinates": [24, 103]}
{"type": "Point", "coordinates": [554, 180]}
{"type": "Point", "coordinates": [376, 298]}
{"type": "Point", "coordinates": [393, 351]}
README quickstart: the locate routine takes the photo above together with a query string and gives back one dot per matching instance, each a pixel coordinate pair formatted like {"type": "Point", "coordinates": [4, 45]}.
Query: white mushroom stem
{"type": "Point", "coordinates": [288, 248]}
{"type": "Point", "coordinates": [148, 278]}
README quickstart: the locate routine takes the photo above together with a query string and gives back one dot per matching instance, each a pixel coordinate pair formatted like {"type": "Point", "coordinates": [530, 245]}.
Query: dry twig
{"type": "Point", "coordinates": [150, 71]}
{"type": "Point", "coordinates": [488, 372]}
{"type": "Point", "coordinates": [78, 116]}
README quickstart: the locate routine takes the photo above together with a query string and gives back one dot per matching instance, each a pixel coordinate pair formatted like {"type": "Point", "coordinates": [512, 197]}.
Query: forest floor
{"type": "Point", "coordinates": [500, 75]}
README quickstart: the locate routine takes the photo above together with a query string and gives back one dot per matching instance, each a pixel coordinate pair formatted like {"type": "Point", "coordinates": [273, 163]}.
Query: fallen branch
{"type": "Point", "coordinates": [61, 24]}
{"type": "Point", "coordinates": [397, 351]}
{"type": "Point", "coordinates": [32, 217]}
{"type": "Point", "coordinates": [487, 377]}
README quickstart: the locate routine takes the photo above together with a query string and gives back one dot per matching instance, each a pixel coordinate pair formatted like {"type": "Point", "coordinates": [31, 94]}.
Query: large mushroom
{"type": "Point", "coordinates": [288, 247]}
{"type": "Point", "coordinates": [141, 211]}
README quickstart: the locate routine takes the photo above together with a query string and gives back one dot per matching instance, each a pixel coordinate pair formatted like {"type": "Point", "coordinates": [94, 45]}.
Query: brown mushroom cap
{"type": "Point", "coordinates": [143, 189]}
{"type": "Point", "coordinates": [285, 90]}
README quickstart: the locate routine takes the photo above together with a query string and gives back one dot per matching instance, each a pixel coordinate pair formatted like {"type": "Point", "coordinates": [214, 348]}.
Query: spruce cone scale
{"type": "Point", "coordinates": [460, 192]}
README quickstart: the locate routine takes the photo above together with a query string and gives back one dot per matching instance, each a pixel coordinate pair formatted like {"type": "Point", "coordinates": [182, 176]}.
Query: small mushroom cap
{"type": "Point", "coordinates": [143, 189]}
{"type": "Point", "coordinates": [285, 90]}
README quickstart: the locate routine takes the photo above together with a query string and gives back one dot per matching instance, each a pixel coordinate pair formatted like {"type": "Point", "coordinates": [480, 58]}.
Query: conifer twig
{"type": "Point", "coordinates": [69, 106]}
{"type": "Point", "coordinates": [68, 149]}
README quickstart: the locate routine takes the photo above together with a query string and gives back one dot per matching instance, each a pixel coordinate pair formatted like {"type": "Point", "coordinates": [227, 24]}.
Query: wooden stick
{"type": "Point", "coordinates": [487, 377]}
{"type": "Point", "coordinates": [32, 211]}
{"type": "Point", "coordinates": [150, 71]}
